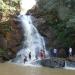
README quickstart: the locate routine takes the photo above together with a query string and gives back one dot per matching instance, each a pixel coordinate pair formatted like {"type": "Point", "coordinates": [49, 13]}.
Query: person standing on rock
{"type": "Point", "coordinates": [55, 52]}
{"type": "Point", "coordinates": [70, 51]}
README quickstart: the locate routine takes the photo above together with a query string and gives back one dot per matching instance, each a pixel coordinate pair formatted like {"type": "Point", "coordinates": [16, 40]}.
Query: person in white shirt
{"type": "Point", "coordinates": [70, 51]}
{"type": "Point", "coordinates": [55, 52]}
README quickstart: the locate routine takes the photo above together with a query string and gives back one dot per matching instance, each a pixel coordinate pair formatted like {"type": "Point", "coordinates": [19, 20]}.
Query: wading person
{"type": "Point", "coordinates": [30, 55]}
{"type": "Point", "coordinates": [25, 59]}
{"type": "Point", "coordinates": [42, 54]}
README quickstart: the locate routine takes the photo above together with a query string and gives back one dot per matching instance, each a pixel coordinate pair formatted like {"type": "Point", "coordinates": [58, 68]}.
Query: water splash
{"type": "Point", "coordinates": [69, 65]}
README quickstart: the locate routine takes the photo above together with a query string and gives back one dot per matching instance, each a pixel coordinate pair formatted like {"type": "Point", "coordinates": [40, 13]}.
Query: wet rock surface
{"type": "Point", "coordinates": [53, 63]}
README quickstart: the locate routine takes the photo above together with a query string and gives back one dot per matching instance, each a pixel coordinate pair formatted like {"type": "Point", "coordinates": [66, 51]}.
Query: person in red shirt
{"type": "Point", "coordinates": [42, 54]}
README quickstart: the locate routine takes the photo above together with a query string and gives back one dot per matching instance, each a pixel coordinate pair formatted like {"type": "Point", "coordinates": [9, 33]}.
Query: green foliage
{"type": "Point", "coordinates": [64, 33]}
{"type": "Point", "coordinates": [9, 6]}
{"type": "Point", "coordinates": [2, 51]}
{"type": "Point", "coordinates": [5, 26]}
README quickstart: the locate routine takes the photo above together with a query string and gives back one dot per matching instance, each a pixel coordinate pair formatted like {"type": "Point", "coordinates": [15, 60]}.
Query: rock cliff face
{"type": "Point", "coordinates": [14, 37]}
{"type": "Point", "coordinates": [40, 21]}
{"type": "Point", "coordinates": [10, 40]}
{"type": "Point", "coordinates": [45, 14]}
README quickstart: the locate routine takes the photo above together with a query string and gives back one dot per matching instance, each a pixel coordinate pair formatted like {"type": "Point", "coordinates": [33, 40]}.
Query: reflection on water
{"type": "Point", "coordinates": [11, 69]}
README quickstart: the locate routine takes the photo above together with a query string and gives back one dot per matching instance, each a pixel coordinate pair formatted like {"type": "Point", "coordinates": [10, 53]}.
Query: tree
{"type": "Point", "coordinates": [8, 7]}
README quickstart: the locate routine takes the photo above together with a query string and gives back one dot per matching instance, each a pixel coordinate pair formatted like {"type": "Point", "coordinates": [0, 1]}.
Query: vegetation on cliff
{"type": "Point", "coordinates": [8, 9]}
{"type": "Point", "coordinates": [59, 15]}
{"type": "Point", "coordinates": [58, 25]}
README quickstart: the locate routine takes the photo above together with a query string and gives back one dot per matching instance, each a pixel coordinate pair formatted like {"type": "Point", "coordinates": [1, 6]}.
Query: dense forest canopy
{"type": "Point", "coordinates": [59, 14]}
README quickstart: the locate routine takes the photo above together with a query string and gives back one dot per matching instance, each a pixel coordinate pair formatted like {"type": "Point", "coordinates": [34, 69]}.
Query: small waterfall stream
{"type": "Point", "coordinates": [33, 42]}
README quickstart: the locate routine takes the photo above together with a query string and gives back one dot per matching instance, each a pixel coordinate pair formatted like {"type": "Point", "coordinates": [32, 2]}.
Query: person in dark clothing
{"type": "Point", "coordinates": [25, 59]}
{"type": "Point", "coordinates": [30, 55]}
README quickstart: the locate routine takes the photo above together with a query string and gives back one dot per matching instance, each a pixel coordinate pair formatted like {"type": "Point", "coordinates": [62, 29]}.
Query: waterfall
{"type": "Point", "coordinates": [33, 41]}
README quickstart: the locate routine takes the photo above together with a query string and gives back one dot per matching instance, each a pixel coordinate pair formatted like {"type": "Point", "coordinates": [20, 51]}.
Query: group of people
{"type": "Point", "coordinates": [55, 51]}
{"type": "Point", "coordinates": [41, 56]}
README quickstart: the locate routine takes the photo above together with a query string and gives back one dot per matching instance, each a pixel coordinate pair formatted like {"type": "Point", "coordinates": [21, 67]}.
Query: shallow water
{"type": "Point", "coordinates": [12, 69]}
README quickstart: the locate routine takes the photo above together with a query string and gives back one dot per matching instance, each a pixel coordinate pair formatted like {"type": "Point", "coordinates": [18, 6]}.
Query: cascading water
{"type": "Point", "coordinates": [33, 42]}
